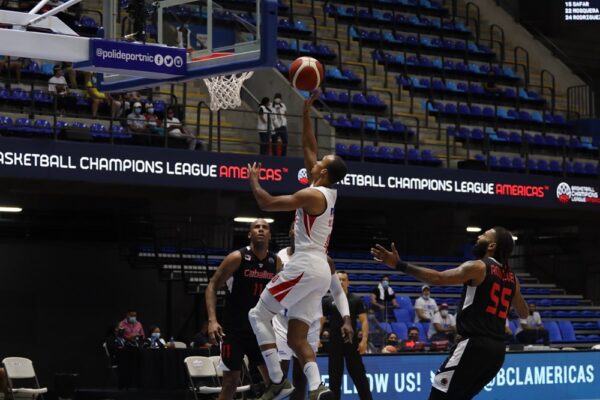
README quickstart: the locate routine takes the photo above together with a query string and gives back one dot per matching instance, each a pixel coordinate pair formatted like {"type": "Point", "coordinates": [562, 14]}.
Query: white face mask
{"type": "Point", "coordinates": [426, 297]}
{"type": "Point", "coordinates": [444, 313]}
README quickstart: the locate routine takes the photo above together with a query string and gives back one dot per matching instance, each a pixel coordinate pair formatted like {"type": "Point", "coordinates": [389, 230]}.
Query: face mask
{"type": "Point", "coordinates": [156, 335]}
{"type": "Point", "coordinates": [444, 313]}
{"type": "Point", "coordinates": [94, 80]}
{"type": "Point", "coordinates": [413, 337]}
{"type": "Point", "coordinates": [150, 110]}
{"type": "Point", "coordinates": [132, 320]}
{"type": "Point", "coordinates": [269, 104]}
{"type": "Point", "coordinates": [480, 249]}
{"type": "Point", "coordinates": [137, 110]}
{"type": "Point", "coordinates": [325, 338]}
{"type": "Point", "coordinates": [531, 312]}
{"type": "Point", "coordinates": [426, 297]}
{"type": "Point", "coordinates": [385, 284]}
{"type": "Point", "coordinates": [392, 342]}
{"type": "Point", "coordinates": [277, 101]}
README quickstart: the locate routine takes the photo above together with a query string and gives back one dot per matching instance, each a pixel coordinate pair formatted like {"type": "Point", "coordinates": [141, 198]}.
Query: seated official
{"type": "Point", "coordinates": [154, 341]}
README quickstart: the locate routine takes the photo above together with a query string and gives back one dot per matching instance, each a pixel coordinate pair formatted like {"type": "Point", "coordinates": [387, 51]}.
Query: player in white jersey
{"type": "Point", "coordinates": [280, 324]}
{"type": "Point", "coordinates": [306, 278]}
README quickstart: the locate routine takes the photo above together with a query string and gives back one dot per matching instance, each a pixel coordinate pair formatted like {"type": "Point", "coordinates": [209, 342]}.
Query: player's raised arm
{"type": "Point", "coordinates": [309, 199]}
{"type": "Point", "coordinates": [309, 141]}
{"type": "Point", "coordinates": [472, 272]}
{"type": "Point", "coordinates": [519, 302]}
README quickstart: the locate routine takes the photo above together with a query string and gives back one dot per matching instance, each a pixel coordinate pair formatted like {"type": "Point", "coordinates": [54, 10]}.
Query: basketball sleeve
{"type": "Point", "coordinates": [341, 301]}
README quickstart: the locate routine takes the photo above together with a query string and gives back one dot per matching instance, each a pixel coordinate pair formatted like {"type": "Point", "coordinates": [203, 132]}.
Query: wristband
{"type": "Point", "coordinates": [401, 266]}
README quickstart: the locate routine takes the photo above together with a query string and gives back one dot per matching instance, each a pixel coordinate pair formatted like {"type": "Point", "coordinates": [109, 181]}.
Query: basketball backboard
{"type": "Point", "coordinates": [219, 39]}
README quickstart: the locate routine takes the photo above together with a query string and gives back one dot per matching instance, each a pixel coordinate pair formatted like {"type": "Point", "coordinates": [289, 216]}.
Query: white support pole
{"type": "Point", "coordinates": [209, 27]}
{"type": "Point", "coordinates": [38, 7]}
{"type": "Point", "coordinates": [55, 10]}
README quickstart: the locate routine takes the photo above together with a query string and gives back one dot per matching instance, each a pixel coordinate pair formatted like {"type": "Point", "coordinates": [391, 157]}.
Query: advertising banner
{"type": "Point", "coordinates": [553, 375]}
{"type": "Point", "coordinates": [135, 59]}
{"type": "Point", "coordinates": [151, 166]}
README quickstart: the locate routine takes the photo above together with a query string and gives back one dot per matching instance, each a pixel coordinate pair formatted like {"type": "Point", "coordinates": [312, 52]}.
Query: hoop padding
{"type": "Point", "coordinates": [225, 90]}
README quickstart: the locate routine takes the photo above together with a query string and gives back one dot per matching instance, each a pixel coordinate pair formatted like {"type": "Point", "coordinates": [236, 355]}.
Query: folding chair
{"type": "Point", "coordinates": [202, 370]}
{"type": "Point", "coordinates": [22, 368]}
{"type": "Point", "coordinates": [216, 360]}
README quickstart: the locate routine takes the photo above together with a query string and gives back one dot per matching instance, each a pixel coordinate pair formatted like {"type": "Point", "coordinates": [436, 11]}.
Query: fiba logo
{"type": "Point", "coordinates": [159, 60]}
{"type": "Point", "coordinates": [303, 176]}
{"type": "Point", "coordinates": [563, 192]}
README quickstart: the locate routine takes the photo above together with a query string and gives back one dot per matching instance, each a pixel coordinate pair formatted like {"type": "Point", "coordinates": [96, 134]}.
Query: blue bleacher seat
{"type": "Point", "coordinates": [553, 331]}
{"type": "Point", "coordinates": [400, 329]}
{"type": "Point", "coordinates": [385, 327]}
{"type": "Point", "coordinates": [402, 315]}
{"type": "Point", "coordinates": [566, 330]}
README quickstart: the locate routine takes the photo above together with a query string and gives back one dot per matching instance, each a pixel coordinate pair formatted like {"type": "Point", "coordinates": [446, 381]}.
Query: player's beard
{"type": "Point", "coordinates": [479, 249]}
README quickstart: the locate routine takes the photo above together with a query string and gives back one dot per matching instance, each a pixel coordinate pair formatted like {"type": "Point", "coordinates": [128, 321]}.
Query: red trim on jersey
{"type": "Point", "coordinates": [306, 223]}
{"type": "Point", "coordinates": [309, 221]}
{"type": "Point", "coordinates": [281, 290]}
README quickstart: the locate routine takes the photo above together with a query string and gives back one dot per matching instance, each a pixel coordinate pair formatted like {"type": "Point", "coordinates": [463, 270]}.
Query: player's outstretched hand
{"type": "Point", "coordinates": [254, 171]}
{"type": "Point", "coordinates": [385, 256]}
{"type": "Point", "coordinates": [215, 332]}
{"type": "Point", "coordinates": [313, 97]}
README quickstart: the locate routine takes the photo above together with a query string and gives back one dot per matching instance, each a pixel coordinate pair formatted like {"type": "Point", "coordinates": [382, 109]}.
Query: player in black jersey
{"type": "Point", "coordinates": [490, 287]}
{"type": "Point", "coordinates": [246, 272]}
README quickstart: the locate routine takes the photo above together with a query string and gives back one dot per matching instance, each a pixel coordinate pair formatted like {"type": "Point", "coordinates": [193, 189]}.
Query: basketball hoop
{"type": "Point", "coordinates": [225, 90]}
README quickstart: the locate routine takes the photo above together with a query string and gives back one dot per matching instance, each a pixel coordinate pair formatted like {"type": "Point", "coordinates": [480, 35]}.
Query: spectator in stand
{"type": "Point", "coordinates": [383, 298]}
{"type": "Point", "coordinates": [177, 130]}
{"type": "Point", "coordinates": [490, 85]}
{"type": "Point", "coordinates": [130, 99]}
{"type": "Point", "coordinates": [443, 325]}
{"type": "Point", "coordinates": [97, 97]}
{"type": "Point", "coordinates": [57, 86]}
{"type": "Point", "coordinates": [201, 341]}
{"type": "Point", "coordinates": [136, 121]}
{"type": "Point", "coordinates": [391, 343]}
{"type": "Point", "coordinates": [68, 70]}
{"type": "Point", "coordinates": [280, 125]}
{"type": "Point", "coordinates": [531, 329]}
{"type": "Point", "coordinates": [153, 123]}
{"type": "Point", "coordinates": [132, 328]}
{"type": "Point", "coordinates": [15, 65]}
{"type": "Point", "coordinates": [425, 306]}
{"type": "Point", "coordinates": [154, 341]}
{"type": "Point", "coordinates": [412, 343]}
{"type": "Point", "coordinates": [265, 125]}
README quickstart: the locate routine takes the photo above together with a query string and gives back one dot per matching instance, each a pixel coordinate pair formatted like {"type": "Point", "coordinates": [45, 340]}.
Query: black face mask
{"type": "Point", "coordinates": [392, 342]}
{"type": "Point", "coordinates": [479, 249]}
{"type": "Point", "coordinates": [531, 312]}
{"type": "Point", "coordinates": [413, 337]}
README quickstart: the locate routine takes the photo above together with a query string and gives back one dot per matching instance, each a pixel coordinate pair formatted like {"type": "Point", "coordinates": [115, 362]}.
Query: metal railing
{"type": "Point", "coordinates": [581, 99]}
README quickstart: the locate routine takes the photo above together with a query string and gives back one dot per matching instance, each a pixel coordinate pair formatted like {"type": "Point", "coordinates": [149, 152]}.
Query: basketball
{"type": "Point", "coordinates": [306, 73]}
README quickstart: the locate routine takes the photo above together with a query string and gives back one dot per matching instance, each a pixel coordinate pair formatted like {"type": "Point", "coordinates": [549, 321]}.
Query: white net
{"type": "Point", "coordinates": [225, 90]}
